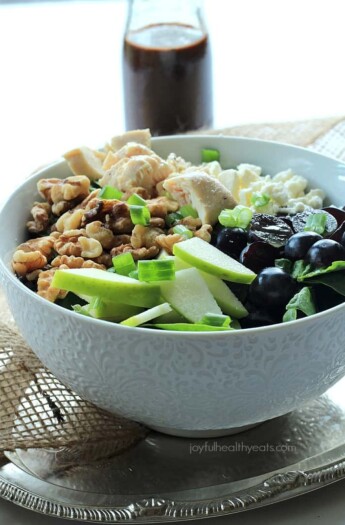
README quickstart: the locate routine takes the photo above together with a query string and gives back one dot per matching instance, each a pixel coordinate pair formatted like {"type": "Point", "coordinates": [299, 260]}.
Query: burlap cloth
{"type": "Point", "coordinates": [37, 411]}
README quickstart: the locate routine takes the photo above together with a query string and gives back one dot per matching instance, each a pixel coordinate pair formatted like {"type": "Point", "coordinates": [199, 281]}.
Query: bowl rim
{"type": "Point", "coordinates": [140, 330]}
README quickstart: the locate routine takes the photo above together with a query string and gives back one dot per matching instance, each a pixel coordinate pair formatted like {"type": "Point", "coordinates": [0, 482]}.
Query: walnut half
{"type": "Point", "coordinates": [26, 262]}
{"type": "Point", "coordinates": [40, 212]}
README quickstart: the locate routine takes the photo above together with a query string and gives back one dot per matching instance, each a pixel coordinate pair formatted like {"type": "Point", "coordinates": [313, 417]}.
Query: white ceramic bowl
{"type": "Point", "coordinates": [185, 383]}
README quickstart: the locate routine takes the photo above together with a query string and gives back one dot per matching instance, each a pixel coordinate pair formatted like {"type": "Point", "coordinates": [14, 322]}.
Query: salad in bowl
{"type": "Point", "coordinates": [139, 239]}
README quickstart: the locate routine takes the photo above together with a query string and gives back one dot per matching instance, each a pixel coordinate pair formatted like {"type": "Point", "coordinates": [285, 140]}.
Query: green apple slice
{"type": "Point", "coordinates": [109, 286]}
{"type": "Point", "coordinates": [115, 312]}
{"type": "Point", "coordinates": [148, 315]}
{"type": "Point", "coordinates": [207, 258]}
{"type": "Point", "coordinates": [189, 295]}
{"type": "Point", "coordinates": [225, 298]}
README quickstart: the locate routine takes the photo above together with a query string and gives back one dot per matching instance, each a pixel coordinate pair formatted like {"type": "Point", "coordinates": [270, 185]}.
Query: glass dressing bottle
{"type": "Point", "coordinates": [167, 67]}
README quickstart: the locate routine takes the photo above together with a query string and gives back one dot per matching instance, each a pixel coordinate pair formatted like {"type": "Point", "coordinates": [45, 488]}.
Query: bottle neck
{"type": "Point", "coordinates": [142, 13]}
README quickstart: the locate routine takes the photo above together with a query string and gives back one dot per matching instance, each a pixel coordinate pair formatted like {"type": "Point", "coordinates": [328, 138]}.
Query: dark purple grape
{"type": "Point", "coordinates": [272, 287]}
{"type": "Point", "coordinates": [299, 221]}
{"type": "Point", "coordinates": [299, 244]}
{"type": "Point", "coordinates": [270, 229]}
{"type": "Point", "coordinates": [338, 234]}
{"type": "Point", "coordinates": [217, 228]}
{"type": "Point", "coordinates": [259, 255]}
{"type": "Point", "coordinates": [324, 252]}
{"type": "Point", "coordinates": [231, 241]}
{"type": "Point", "coordinates": [337, 213]}
{"type": "Point", "coordinates": [342, 241]}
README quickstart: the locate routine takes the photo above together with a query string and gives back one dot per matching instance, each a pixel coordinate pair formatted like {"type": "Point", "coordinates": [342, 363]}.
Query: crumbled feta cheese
{"type": "Point", "coordinates": [286, 189]}
{"type": "Point", "coordinates": [243, 168]}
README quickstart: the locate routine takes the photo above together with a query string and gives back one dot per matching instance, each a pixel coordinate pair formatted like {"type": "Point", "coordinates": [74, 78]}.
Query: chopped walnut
{"type": "Point", "coordinates": [68, 243]}
{"type": "Point", "coordinates": [92, 264]}
{"type": "Point", "coordinates": [115, 216]}
{"type": "Point", "coordinates": [61, 207]}
{"type": "Point", "coordinates": [161, 206]}
{"type": "Point", "coordinates": [26, 262]}
{"type": "Point", "coordinates": [41, 215]}
{"type": "Point", "coordinates": [121, 239]}
{"type": "Point", "coordinates": [45, 289]}
{"type": "Point", "coordinates": [54, 235]}
{"type": "Point", "coordinates": [167, 241]}
{"type": "Point", "coordinates": [71, 220]}
{"type": "Point", "coordinates": [190, 223]}
{"type": "Point", "coordinates": [157, 210]}
{"type": "Point", "coordinates": [142, 192]}
{"type": "Point", "coordinates": [42, 244]}
{"type": "Point", "coordinates": [157, 222]}
{"type": "Point", "coordinates": [96, 230]}
{"type": "Point", "coordinates": [89, 201]}
{"type": "Point", "coordinates": [90, 247]}
{"type": "Point", "coordinates": [138, 253]}
{"type": "Point", "coordinates": [33, 276]}
{"type": "Point", "coordinates": [104, 260]}
{"type": "Point", "coordinates": [122, 225]}
{"type": "Point", "coordinates": [101, 208]}
{"type": "Point", "coordinates": [71, 188]}
{"type": "Point", "coordinates": [74, 262]}
{"type": "Point", "coordinates": [204, 233]}
{"type": "Point", "coordinates": [143, 236]}
{"type": "Point", "coordinates": [44, 187]}
{"type": "Point", "coordinates": [70, 261]}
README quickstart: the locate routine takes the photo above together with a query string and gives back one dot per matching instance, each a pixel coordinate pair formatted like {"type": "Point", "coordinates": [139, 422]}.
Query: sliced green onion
{"type": "Point", "coordinates": [239, 217]}
{"type": "Point", "coordinates": [188, 327]}
{"type": "Point", "coordinates": [182, 230]}
{"type": "Point", "coordinates": [316, 222]}
{"type": "Point", "coordinates": [111, 270]}
{"type": "Point", "coordinates": [124, 263]}
{"type": "Point", "coordinates": [136, 200]}
{"type": "Point", "coordinates": [216, 320]}
{"type": "Point", "coordinates": [259, 200]}
{"type": "Point", "coordinates": [171, 218]}
{"type": "Point", "coordinates": [139, 215]}
{"type": "Point", "coordinates": [188, 211]}
{"type": "Point", "coordinates": [134, 275]}
{"type": "Point", "coordinates": [209, 155]}
{"type": "Point", "coordinates": [108, 192]}
{"type": "Point", "coordinates": [157, 270]}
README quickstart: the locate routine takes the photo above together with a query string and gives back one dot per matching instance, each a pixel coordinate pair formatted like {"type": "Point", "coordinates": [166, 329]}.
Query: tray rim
{"type": "Point", "coordinates": [281, 486]}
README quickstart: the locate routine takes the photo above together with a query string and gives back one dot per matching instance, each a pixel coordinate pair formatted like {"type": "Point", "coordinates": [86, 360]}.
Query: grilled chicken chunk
{"type": "Point", "coordinates": [202, 191]}
{"type": "Point", "coordinates": [141, 136]}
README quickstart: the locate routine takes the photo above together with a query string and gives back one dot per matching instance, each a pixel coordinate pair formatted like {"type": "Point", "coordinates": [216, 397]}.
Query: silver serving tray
{"type": "Point", "coordinates": [166, 479]}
